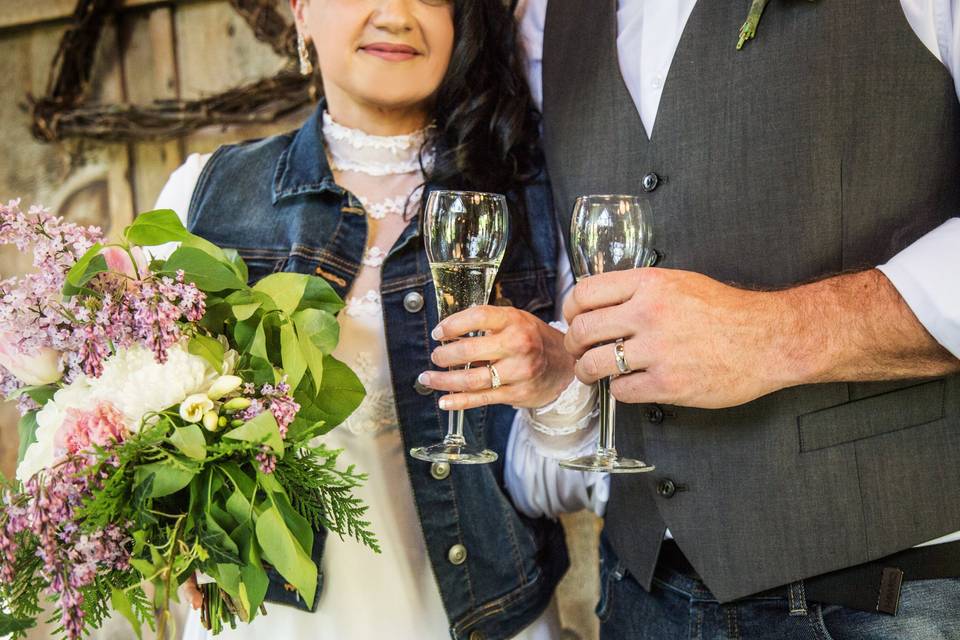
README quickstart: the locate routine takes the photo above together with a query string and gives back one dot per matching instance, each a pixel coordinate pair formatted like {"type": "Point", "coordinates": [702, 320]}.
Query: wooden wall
{"type": "Point", "coordinates": [156, 49]}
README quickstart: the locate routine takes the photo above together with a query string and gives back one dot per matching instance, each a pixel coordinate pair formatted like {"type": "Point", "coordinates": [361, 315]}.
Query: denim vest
{"type": "Point", "coordinates": [276, 202]}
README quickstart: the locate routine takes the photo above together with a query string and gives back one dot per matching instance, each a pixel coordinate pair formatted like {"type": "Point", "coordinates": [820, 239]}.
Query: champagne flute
{"type": "Point", "coordinates": [465, 234]}
{"type": "Point", "coordinates": [609, 233]}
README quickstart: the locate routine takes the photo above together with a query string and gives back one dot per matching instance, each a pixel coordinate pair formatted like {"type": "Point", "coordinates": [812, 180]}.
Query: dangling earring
{"type": "Point", "coordinates": [306, 66]}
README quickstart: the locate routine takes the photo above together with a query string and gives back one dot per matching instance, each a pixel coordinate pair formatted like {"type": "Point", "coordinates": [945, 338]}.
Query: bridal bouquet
{"type": "Point", "coordinates": [170, 423]}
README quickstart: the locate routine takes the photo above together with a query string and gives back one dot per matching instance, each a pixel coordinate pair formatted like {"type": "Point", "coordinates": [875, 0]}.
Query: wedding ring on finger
{"type": "Point", "coordinates": [495, 382]}
{"type": "Point", "coordinates": [618, 352]}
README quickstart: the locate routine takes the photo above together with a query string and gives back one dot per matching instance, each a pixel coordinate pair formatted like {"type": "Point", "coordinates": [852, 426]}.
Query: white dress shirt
{"type": "Point", "coordinates": [926, 274]}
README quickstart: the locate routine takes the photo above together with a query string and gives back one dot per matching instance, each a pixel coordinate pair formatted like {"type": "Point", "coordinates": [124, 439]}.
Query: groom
{"type": "Point", "coordinates": [804, 419]}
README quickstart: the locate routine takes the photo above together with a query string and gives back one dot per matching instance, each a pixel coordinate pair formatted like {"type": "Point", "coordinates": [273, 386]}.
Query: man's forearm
{"type": "Point", "coordinates": [858, 327]}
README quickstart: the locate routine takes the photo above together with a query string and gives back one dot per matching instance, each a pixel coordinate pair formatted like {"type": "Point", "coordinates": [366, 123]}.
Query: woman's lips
{"type": "Point", "coordinates": [390, 52]}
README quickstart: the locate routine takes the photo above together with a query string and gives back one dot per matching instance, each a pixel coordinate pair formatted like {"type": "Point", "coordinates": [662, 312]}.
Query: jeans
{"type": "Point", "coordinates": [678, 606]}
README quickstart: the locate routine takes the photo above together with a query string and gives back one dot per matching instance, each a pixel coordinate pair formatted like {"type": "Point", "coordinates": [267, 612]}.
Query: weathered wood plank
{"type": "Point", "coordinates": [150, 65]}
{"type": "Point", "coordinates": [18, 13]}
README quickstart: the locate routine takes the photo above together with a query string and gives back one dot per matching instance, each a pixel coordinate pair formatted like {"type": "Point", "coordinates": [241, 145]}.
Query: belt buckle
{"type": "Point", "coordinates": [888, 600]}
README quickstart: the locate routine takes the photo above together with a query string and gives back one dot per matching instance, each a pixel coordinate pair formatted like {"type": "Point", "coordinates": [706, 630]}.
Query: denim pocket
{"type": "Point", "coordinates": [262, 262]}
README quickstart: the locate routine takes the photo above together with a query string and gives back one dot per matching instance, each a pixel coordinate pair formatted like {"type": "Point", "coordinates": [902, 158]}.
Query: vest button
{"type": "Point", "coordinates": [666, 488]}
{"type": "Point", "coordinates": [476, 635]}
{"type": "Point", "coordinates": [655, 414]}
{"type": "Point", "coordinates": [457, 554]}
{"type": "Point", "coordinates": [413, 302]}
{"type": "Point", "coordinates": [440, 470]}
{"type": "Point", "coordinates": [650, 182]}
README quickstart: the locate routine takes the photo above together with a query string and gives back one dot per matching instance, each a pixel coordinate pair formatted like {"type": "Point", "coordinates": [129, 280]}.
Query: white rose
{"type": "Point", "coordinates": [193, 408]}
{"type": "Point", "coordinates": [223, 385]}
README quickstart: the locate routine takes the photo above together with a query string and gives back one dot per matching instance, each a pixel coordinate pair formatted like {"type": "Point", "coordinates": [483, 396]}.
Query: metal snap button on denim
{"type": "Point", "coordinates": [666, 488]}
{"type": "Point", "coordinates": [655, 414]}
{"type": "Point", "coordinates": [440, 470]}
{"type": "Point", "coordinates": [457, 554]}
{"type": "Point", "coordinates": [650, 182]}
{"type": "Point", "coordinates": [422, 389]}
{"type": "Point", "coordinates": [413, 302]}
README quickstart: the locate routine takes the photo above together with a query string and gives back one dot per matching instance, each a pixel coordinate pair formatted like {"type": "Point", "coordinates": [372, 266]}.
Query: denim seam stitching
{"type": "Point", "coordinates": [498, 605]}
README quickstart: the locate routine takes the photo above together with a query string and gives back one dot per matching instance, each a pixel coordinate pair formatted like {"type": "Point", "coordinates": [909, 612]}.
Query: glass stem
{"type": "Point", "coordinates": [455, 426]}
{"type": "Point", "coordinates": [607, 446]}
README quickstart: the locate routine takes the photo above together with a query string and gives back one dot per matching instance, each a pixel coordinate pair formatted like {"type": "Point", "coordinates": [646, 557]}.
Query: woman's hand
{"type": "Point", "coordinates": [191, 592]}
{"type": "Point", "coordinates": [527, 353]}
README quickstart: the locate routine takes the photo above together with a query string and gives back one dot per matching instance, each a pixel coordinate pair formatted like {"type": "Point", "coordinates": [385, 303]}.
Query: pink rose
{"type": "Point", "coordinates": [39, 368]}
{"type": "Point", "coordinates": [82, 429]}
{"type": "Point", "coordinates": [118, 260]}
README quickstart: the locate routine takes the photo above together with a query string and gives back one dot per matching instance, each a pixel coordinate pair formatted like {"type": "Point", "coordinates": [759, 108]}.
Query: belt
{"type": "Point", "coordinates": [873, 586]}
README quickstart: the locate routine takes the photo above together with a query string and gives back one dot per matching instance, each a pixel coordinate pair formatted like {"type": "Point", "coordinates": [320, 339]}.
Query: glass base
{"type": "Point", "coordinates": [604, 464]}
{"type": "Point", "coordinates": [454, 454]}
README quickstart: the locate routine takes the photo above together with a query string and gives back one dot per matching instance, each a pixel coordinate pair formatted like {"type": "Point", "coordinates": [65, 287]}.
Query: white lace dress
{"type": "Point", "coordinates": [365, 596]}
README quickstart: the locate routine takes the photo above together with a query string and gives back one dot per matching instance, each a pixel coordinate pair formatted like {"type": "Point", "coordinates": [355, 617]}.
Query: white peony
{"type": "Point", "coordinates": [134, 382]}
{"type": "Point", "coordinates": [41, 455]}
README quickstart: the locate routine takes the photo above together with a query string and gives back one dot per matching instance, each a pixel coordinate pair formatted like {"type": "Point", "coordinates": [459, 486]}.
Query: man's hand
{"type": "Point", "coordinates": [693, 341]}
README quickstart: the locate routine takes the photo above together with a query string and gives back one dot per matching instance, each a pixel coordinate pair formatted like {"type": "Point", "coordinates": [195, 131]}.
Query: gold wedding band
{"type": "Point", "coordinates": [495, 382]}
{"type": "Point", "coordinates": [622, 365]}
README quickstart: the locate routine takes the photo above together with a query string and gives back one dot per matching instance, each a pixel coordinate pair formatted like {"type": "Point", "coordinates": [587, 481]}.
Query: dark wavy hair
{"type": "Point", "coordinates": [487, 129]}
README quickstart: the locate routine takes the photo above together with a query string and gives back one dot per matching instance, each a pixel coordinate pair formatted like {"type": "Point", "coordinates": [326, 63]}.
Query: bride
{"type": "Point", "coordinates": [418, 94]}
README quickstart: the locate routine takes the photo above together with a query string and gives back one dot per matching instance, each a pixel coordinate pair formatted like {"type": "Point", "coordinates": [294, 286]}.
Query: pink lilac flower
{"type": "Point", "coordinates": [266, 460]}
{"type": "Point", "coordinates": [46, 510]}
{"type": "Point", "coordinates": [275, 399]}
{"type": "Point", "coordinates": [86, 328]}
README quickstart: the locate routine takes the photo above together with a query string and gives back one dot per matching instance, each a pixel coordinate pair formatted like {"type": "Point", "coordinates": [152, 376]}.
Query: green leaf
{"type": "Point", "coordinates": [168, 477]}
{"type": "Point", "coordinates": [321, 327]}
{"type": "Point", "coordinates": [239, 266]}
{"type": "Point", "coordinates": [207, 348]}
{"type": "Point", "coordinates": [156, 227]}
{"type": "Point", "coordinates": [283, 551]}
{"type": "Point", "coordinates": [296, 523]}
{"type": "Point", "coordinates": [10, 624]}
{"type": "Point", "coordinates": [27, 431]}
{"type": "Point", "coordinates": [253, 578]}
{"type": "Point", "coordinates": [340, 393]}
{"type": "Point", "coordinates": [263, 428]}
{"type": "Point", "coordinates": [145, 567]}
{"type": "Point", "coordinates": [40, 394]}
{"type": "Point", "coordinates": [243, 304]}
{"type": "Point", "coordinates": [199, 267]}
{"type": "Point", "coordinates": [121, 604]}
{"type": "Point", "coordinates": [90, 264]}
{"type": "Point", "coordinates": [294, 364]}
{"type": "Point", "coordinates": [190, 441]}
{"type": "Point", "coordinates": [196, 242]}
{"type": "Point", "coordinates": [286, 289]}
{"type": "Point", "coordinates": [320, 295]}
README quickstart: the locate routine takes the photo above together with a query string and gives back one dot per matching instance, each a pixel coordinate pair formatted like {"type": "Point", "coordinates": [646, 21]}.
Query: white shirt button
{"type": "Point", "coordinates": [657, 82]}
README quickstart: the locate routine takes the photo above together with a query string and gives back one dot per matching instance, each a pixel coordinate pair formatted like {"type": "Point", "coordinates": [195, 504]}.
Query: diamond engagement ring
{"type": "Point", "coordinates": [495, 382]}
{"type": "Point", "coordinates": [622, 365]}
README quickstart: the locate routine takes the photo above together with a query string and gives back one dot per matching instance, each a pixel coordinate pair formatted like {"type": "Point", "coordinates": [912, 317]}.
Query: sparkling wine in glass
{"type": "Point", "coordinates": [465, 234]}
{"type": "Point", "coordinates": [609, 233]}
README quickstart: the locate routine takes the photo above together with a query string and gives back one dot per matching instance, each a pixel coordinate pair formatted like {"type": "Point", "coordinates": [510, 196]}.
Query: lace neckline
{"type": "Point", "coordinates": [354, 150]}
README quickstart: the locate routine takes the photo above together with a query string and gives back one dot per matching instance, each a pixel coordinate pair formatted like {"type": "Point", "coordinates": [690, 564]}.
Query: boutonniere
{"type": "Point", "coordinates": [749, 28]}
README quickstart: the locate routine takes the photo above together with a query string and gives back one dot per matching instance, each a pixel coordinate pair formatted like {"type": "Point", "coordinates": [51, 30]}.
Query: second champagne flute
{"type": "Point", "coordinates": [609, 233]}
{"type": "Point", "coordinates": [465, 234]}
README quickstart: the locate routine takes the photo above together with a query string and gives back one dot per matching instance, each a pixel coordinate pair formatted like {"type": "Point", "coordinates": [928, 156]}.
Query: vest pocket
{"type": "Point", "coordinates": [872, 416]}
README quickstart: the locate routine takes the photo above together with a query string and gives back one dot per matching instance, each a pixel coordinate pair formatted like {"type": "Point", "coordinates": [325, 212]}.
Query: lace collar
{"type": "Point", "coordinates": [353, 150]}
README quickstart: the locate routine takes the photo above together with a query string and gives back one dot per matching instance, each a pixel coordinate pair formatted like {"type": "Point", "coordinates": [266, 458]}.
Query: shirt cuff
{"type": "Point", "coordinates": [927, 275]}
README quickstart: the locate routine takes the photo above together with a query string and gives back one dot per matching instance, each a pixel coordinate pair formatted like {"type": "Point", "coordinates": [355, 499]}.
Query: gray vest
{"type": "Point", "coordinates": [828, 144]}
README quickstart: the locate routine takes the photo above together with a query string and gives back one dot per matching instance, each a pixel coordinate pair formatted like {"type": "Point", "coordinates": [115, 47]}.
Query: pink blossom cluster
{"type": "Point", "coordinates": [82, 429]}
{"type": "Point", "coordinates": [125, 307]}
{"type": "Point", "coordinates": [46, 511]}
{"type": "Point", "coordinates": [276, 399]}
